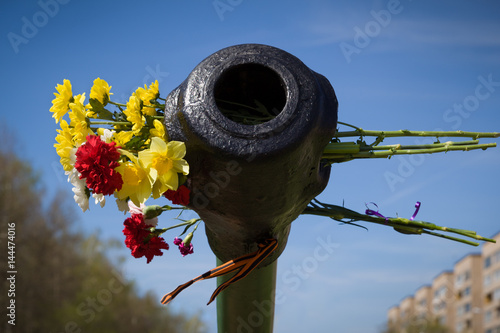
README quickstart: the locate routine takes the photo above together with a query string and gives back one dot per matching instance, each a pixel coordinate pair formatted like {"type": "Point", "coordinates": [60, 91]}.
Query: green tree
{"type": "Point", "coordinates": [417, 325]}
{"type": "Point", "coordinates": [64, 282]}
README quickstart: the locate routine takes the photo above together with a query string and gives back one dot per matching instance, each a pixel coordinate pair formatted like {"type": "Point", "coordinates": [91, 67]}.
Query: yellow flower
{"type": "Point", "coordinates": [100, 131]}
{"type": "Point", "coordinates": [100, 91]}
{"type": "Point", "coordinates": [133, 113]}
{"type": "Point", "coordinates": [60, 104]}
{"type": "Point", "coordinates": [164, 161]}
{"type": "Point", "coordinates": [78, 124]}
{"type": "Point", "coordinates": [154, 89]}
{"type": "Point", "coordinates": [146, 95]}
{"type": "Point", "coordinates": [89, 113]}
{"type": "Point", "coordinates": [121, 138]}
{"type": "Point", "coordinates": [158, 130]}
{"type": "Point", "coordinates": [137, 184]}
{"type": "Point", "coordinates": [65, 146]}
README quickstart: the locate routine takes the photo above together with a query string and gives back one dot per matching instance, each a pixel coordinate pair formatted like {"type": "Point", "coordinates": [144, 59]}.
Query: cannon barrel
{"type": "Point", "coordinates": [255, 121]}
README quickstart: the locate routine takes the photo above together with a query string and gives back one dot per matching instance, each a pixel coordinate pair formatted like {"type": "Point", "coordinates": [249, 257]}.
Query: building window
{"type": "Point", "coordinates": [496, 294]}
{"type": "Point", "coordinates": [496, 256]}
{"type": "Point", "coordinates": [493, 330]}
{"type": "Point", "coordinates": [496, 275]}
{"type": "Point", "coordinates": [440, 293]}
{"type": "Point", "coordinates": [487, 280]}
{"type": "Point", "coordinates": [463, 309]}
{"type": "Point", "coordinates": [488, 298]}
{"type": "Point", "coordinates": [439, 304]}
{"type": "Point", "coordinates": [463, 293]}
{"type": "Point", "coordinates": [487, 262]}
{"type": "Point", "coordinates": [422, 306]}
{"type": "Point", "coordinates": [461, 278]}
{"type": "Point", "coordinates": [488, 316]}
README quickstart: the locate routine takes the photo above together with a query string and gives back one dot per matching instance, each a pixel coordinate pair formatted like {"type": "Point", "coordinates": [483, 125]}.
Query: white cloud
{"type": "Point", "coordinates": [332, 27]}
{"type": "Point", "coordinates": [470, 33]}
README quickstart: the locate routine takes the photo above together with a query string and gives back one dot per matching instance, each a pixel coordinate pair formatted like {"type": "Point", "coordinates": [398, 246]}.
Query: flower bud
{"type": "Point", "coordinates": [151, 212]}
{"type": "Point", "coordinates": [187, 239]}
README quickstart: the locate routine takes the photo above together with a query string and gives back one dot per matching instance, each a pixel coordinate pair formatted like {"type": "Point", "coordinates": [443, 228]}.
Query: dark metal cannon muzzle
{"type": "Point", "coordinates": [255, 121]}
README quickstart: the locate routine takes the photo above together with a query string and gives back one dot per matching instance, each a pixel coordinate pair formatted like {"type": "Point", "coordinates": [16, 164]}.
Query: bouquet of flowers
{"type": "Point", "coordinates": [123, 153]}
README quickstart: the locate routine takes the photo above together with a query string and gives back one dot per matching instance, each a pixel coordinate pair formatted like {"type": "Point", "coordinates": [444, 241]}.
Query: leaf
{"type": "Point", "coordinates": [100, 110]}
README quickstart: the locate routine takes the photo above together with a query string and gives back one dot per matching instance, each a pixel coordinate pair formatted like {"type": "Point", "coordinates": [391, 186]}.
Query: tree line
{"type": "Point", "coordinates": [64, 281]}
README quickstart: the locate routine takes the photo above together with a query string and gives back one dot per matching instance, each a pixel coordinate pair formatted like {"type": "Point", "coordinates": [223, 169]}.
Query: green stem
{"type": "Point", "coordinates": [399, 224]}
{"type": "Point", "coordinates": [344, 154]}
{"type": "Point", "coordinates": [110, 122]}
{"type": "Point", "coordinates": [348, 125]}
{"type": "Point", "coordinates": [186, 223]}
{"type": "Point", "coordinates": [167, 208]}
{"type": "Point", "coordinates": [118, 104]}
{"type": "Point", "coordinates": [156, 106]}
{"type": "Point", "coordinates": [337, 152]}
{"type": "Point", "coordinates": [196, 226]}
{"type": "Point", "coordinates": [407, 133]}
{"type": "Point", "coordinates": [432, 145]}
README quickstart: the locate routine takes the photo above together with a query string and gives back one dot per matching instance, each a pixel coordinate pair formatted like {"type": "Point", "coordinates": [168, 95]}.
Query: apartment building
{"type": "Point", "coordinates": [491, 286]}
{"type": "Point", "coordinates": [442, 298]}
{"type": "Point", "coordinates": [465, 299]}
{"type": "Point", "coordinates": [394, 318]}
{"type": "Point", "coordinates": [407, 311]}
{"type": "Point", "coordinates": [423, 302]}
{"type": "Point", "coordinates": [468, 294]}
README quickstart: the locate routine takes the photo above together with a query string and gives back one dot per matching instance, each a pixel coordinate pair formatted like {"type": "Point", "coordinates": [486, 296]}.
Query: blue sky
{"type": "Point", "coordinates": [394, 65]}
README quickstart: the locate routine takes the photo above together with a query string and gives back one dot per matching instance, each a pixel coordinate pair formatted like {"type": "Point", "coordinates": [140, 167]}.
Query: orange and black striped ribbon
{"type": "Point", "coordinates": [246, 264]}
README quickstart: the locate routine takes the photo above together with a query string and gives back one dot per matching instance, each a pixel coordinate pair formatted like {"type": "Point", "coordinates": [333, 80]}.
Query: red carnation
{"type": "Point", "coordinates": [96, 160]}
{"type": "Point", "coordinates": [179, 197]}
{"type": "Point", "coordinates": [139, 240]}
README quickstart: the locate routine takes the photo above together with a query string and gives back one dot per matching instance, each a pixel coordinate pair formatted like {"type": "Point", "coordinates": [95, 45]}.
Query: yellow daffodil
{"type": "Point", "coordinates": [137, 184]}
{"type": "Point", "coordinates": [133, 113]}
{"type": "Point", "coordinates": [158, 130]}
{"type": "Point", "coordinates": [78, 124]}
{"type": "Point", "coordinates": [100, 91]}
{"type": "Point", "coordinates": [60, 104]}
{"type": "Point", "coordinates": [65, 146]}
{"type": "Point", "coordinates": [164, 161]}
{"type": "Point", "coordinates": [146, 95]}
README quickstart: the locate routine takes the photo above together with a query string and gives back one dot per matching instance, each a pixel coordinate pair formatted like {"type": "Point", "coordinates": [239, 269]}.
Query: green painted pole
{"type": "Point", "coordinates": [248, 305]}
